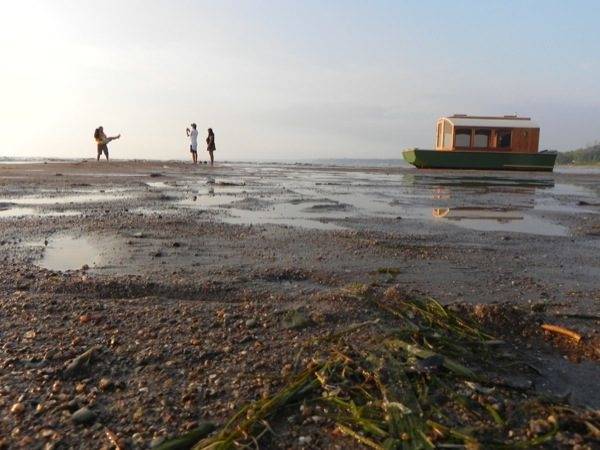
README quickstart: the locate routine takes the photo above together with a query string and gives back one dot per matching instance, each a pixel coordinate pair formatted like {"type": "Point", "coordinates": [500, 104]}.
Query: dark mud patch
{"type": "Point", "coordinates": [295, 274]}
{"type": "Point", "coordinates": [114, 287]}
{"type": "Point", "coordinates": [525, 326]}
{"type": "Point", "coordinates": [564, 368]}
{"type": "Point", "coordinates": [327, 207]}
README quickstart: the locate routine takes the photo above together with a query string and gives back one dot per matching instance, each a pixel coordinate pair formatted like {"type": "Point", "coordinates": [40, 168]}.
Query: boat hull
{"type": "Point", "coordinates": [473, 160]}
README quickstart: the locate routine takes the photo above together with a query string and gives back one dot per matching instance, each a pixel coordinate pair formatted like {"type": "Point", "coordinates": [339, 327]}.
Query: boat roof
{"type": "Point", "coordinates": [461, 120]}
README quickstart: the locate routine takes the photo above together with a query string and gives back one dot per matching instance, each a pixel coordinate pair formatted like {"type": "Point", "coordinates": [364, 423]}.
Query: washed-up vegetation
{"type": "Point", "coordinates": [430, 380]}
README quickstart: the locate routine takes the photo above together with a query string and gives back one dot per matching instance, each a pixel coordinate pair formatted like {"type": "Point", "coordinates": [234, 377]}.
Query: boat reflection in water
{"type": "Point", "coordinates": [498, 219]}
{"type": "Point", "coordinates": [490, 203]}
{"type": "Point", "coordinates": [498, 214]}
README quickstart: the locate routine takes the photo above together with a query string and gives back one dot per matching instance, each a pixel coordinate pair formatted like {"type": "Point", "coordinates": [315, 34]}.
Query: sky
{"type": "Point", "coordinates": [290, 79]}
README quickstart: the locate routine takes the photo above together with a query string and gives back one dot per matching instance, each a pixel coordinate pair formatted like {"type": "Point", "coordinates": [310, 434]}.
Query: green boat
{"type": "Point", "coordinates": [435, 159]}
{"type": "Point", "coordinates": [484, 143]}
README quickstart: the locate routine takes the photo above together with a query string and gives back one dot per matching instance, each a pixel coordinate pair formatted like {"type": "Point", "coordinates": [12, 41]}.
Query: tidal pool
{"type": "Point", "coordinates": [70, 253]}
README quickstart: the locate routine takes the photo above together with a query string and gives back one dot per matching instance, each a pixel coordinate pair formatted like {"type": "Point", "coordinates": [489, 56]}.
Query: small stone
{"type": "Point", "coordinates": [286, 370]}
{"type": "Point", "coordinates": [137, 438]}
{"type": "Point", "coordinates": [303, 440]}
{"type": "Point", "coordinates": [30, 334]}
{"type": "Point", "coordinates": [251, 323]}
{"type": "Point", "coordinates": [56, 387]}
{"type": "Point", "coordinates": [46, 432]}
{"type": "Point", "coordinates": [83, 416]}
{"type": "Point", "coordinates": [429, 364]}
{"type": "Point", "coordinates": [105, 384]}
{"type": "Point", "coordinates": [85, 318]}
{"type": "Point", "coordinates": [295, 319]}
{"type": "Point", "coordinates": [138, 414]}
{"type": "Point", "coordinates": [17, 408]}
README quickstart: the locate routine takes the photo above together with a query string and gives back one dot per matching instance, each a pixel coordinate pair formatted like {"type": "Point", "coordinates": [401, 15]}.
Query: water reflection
{"type": "Point", "coordinates": [497, 219]}
{"type": "Point", "coordinates": [496, 214]}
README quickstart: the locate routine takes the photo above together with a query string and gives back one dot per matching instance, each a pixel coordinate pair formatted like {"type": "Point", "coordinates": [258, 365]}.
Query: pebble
{"type": "Point", "coordinates": [295, 320]}
{"type": "Point", "coordinates": [302, 440]}
{"type": "Point", "coordinates": [17, 408]}
{"type": "Point", "coordinates": [251, 323]}
{"type": "Point", "coordinates": [138, 414]}
{"type": "Point", "coordinates": [85, 318]}
{"type": "Point", "coordinates": [105, 384]}
{"type": "Point", "coordinates": [83, 416]}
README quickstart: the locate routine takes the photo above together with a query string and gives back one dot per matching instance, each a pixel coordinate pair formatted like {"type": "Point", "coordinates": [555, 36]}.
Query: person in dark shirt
{"type": "Point", "coordinates": [210, 145]}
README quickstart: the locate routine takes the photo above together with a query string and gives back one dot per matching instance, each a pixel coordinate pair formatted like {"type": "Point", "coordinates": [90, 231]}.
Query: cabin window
{"type": "Point", "coordinates": [463, 137]}
{"type": "Point", "coordinates": [482, 139]}
{"type": "Point", "coordinates": [503, 139]}
{"type": "Point", "coordinates": [440, 135]}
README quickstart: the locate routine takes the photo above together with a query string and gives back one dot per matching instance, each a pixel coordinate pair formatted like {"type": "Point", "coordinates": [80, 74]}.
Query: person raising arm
{"type": "Point", "coordinates": [193, 135]}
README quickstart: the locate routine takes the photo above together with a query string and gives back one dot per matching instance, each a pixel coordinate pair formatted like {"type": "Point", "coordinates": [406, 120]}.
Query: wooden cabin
{"type": "Point", "coordinates": [481, 133]}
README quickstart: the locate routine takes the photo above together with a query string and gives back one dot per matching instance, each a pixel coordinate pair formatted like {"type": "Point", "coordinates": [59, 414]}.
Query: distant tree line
{"type": "Point", "coordinates": [586, 155]}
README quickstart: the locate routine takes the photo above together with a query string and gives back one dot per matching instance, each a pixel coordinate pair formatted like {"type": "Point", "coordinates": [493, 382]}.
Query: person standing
{"type": "Point", "coordinates": [102, 140]}
{"type": "Point", "coordinates": [210, 145]}
{"type": "Point", "coordinates": [193, 135]}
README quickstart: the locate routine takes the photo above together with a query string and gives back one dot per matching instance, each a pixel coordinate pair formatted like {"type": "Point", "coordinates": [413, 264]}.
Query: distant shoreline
{"type": "Point", "coordinates": [340, 162]}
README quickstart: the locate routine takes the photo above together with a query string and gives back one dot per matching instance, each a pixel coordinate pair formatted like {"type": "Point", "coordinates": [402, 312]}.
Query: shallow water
{"type": "Point", "coordinates": [70, 253]}
{"type": "Point", "coordinates": [329, 198]}
{"type": "Point", "coordinates": [289, 214]}
{"type": "Point", "coordinates": [18, 211]}
{"type": "Point", "coordinates": [81, 197]}
{"type": "Point", "coordinates": [494, 219]}
{"type": "Point", "coordinates": [480, 201]}
{"type": "Point", "coordinates": [207, 200]}
{"type": "Point", "coordinates": [157, 184]}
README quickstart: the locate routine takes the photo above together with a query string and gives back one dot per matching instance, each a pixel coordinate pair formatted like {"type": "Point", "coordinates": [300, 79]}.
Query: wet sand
{"type": "Point", "coordinates": [181, 275]}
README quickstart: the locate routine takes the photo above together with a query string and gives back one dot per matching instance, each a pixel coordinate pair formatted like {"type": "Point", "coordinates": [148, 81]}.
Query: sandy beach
{"type": "Point", "coordinates": [179, 279]}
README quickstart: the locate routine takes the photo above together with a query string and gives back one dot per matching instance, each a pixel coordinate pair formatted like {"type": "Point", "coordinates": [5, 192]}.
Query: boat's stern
{"type": "Point", "coordinates": [410, 156]}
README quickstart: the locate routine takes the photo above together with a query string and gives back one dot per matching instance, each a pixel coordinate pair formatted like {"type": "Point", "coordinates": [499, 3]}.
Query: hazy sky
{"type": "Point", "coordinates": [290, 79]}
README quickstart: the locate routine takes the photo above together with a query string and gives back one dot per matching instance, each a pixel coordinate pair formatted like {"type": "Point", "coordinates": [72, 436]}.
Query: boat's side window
{"type": "Point", "coordinates": [482, 138]}
{"type": "Point", "coordinates": [462, 137]}
{"type": "Point", "coordinates": [503, 139]}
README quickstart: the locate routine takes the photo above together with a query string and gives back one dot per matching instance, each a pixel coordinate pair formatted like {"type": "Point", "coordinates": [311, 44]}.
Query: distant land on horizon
{"type": "Point", "coordinates": [581, 156]}
{"type": "Point", "coordinates": [589, 155]}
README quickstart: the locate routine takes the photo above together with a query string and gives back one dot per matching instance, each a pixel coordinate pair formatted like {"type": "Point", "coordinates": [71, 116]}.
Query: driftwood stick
{"type": "Point", "coordinates": [561, 330]}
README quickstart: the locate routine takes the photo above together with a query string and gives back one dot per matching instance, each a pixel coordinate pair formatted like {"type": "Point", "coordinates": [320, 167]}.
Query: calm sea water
{"type": "Point", "coordinates": [343, 162]}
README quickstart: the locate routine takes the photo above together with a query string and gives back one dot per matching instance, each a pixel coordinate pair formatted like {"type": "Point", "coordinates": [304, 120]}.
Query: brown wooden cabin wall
{"type": "Point", "coordinates": [525, 140]}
